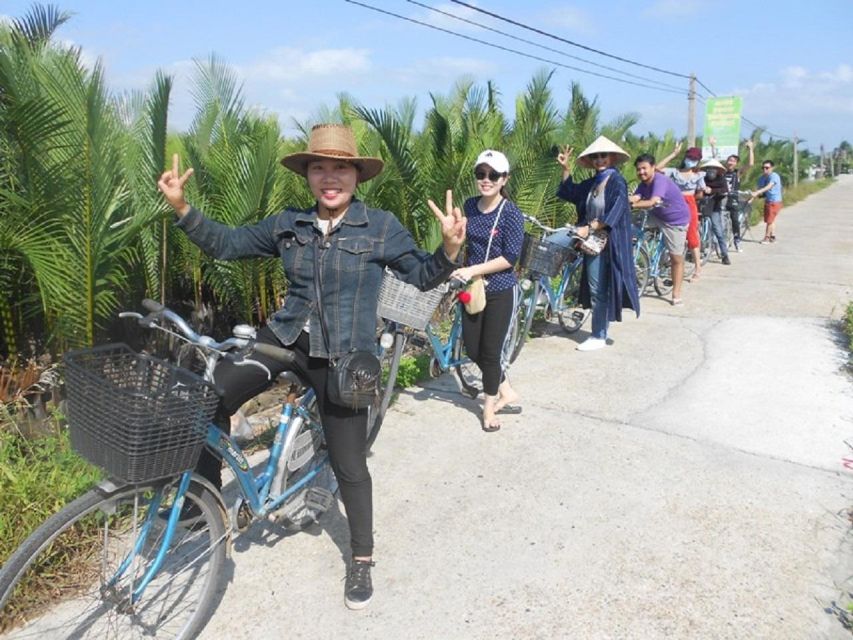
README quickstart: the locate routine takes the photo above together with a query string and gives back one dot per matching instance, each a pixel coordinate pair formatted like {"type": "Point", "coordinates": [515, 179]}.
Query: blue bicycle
{"type": "Point", "coordinates": [652, 262]}
{"type": "Point", "coordinates": [144, 552]}
{"type": "Point", "coordinates": [552, 280]}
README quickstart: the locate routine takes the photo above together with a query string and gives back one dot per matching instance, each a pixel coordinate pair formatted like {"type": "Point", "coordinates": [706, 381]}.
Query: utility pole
{"type": "Point", "coordinates": [691, 112]}
{"type": "Point", "coordinates": [796, 161]}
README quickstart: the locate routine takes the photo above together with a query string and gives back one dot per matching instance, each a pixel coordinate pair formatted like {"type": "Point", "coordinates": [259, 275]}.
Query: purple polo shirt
{"type": "Point", "coordinates": [673, 210]}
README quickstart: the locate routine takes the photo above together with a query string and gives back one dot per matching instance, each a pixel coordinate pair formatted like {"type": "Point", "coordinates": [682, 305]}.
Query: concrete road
{"type": "Point", "coordinates": [685, 482]}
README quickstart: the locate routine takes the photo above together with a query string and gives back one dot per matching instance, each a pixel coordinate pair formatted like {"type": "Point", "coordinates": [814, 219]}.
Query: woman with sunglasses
{"type": "Point", "coordinates": [495, 231]}
{"type": "Point", "coordinates": [608, 281]}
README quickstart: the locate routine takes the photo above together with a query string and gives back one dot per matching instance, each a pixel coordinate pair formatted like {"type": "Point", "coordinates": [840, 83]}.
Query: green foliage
{"type": "Point", "coordinates": [412, 370]}
{"type": "Point", "coordinates": [37, 478]}
{"type": "Point", "coordinates": [848, 326]}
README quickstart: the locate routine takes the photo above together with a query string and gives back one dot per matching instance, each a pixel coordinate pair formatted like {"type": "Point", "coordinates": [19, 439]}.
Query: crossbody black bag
{"type": "Point", "coordinates": [353, 379]}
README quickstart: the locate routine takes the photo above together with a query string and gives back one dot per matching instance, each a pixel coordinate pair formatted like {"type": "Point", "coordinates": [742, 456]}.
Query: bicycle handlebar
{"type": "Point", "coordinates": [567, 227]}
{"type": "Point", "coordinates": [157, 310]}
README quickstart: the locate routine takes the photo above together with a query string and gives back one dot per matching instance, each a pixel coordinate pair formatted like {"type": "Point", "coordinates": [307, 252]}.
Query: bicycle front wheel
{"type": "Point", "coordinates": [390, 367]}
{"type": "Point", "coordinates": [641, 269]}
{"type": "Point", "coordinates": [663, 279]}
{"type": "Point", "coordinates": [76, 575]}
{"type": "Point", "coordinates": [523, 320]}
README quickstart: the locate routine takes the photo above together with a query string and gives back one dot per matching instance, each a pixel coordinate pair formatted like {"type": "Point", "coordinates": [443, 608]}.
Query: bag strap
{"type": "Point", "coordinates": [318, 279]}
{"type": "Point", "coordinates": [492, 233]}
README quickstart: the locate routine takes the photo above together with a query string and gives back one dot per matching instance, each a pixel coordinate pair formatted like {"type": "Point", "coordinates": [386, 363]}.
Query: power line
{"type": "Point", "coordinates": [515, 51]}
{"type": "Point", "coordinates": [536, 44]}
{"type": "Point", "coordinates": [574, 44]}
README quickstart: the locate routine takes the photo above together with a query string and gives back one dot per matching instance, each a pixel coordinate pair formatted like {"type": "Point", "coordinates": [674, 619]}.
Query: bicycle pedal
{"type": "Point", "coordinates": [577, 316]}
{"type": "Point", "coordinates": [318, 500]}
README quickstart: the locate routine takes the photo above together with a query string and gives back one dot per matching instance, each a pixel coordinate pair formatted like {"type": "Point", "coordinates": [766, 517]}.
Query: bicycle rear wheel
{"type": "Point", "coordinates": [75, 575]}
{"type": "Point", "coordinates": [572, 315]}
{"type": "Point", "coordinates": [705, 239]}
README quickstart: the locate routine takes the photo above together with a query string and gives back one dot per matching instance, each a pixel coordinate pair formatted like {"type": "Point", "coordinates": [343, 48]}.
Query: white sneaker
{"type": "Point", "coordinates": [592, 344]}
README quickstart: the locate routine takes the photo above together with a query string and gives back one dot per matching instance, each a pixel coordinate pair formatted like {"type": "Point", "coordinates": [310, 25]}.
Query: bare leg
{"type": "Point", "coordinates": [506, 395]}
{"type": "Point", "coordinates": [697, 260]}
{"type": "Point", "coordinates": [677, 274]}
{"type": "Point", "coordinates": [490, 420]}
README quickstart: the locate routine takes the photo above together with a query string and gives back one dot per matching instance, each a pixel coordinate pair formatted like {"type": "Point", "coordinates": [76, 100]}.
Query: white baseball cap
{"type": "Point", "coordinates": [495, 159]}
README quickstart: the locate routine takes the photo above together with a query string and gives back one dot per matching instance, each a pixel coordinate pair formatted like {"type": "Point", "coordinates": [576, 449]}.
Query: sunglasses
{"type": "Point", "coordinates": [766, 166]}
{"type": "Point", "coordinates": [493, 176]}
{"type": "Point", "coordinates": [598, 156]}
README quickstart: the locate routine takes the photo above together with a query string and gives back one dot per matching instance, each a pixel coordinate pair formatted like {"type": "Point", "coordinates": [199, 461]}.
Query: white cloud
{"type": "Point", "coordinates": [571, 18]}
{"type": "Point", "coordinates": [675, 8]}
{"type": "Point", "coordinates": [293, 65]}
{"type": "Point", "coordinates": [443, 21]}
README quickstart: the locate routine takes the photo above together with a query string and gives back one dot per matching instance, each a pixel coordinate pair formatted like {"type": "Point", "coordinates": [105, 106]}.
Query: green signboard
{"type": "Point", "coordinates": [722, 122]}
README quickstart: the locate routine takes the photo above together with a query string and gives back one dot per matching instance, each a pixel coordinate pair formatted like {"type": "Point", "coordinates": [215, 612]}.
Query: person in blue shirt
{"type": "Point", "coordinates": [350, 244]}
{"type": "Point", "coordinates": [770, 188]}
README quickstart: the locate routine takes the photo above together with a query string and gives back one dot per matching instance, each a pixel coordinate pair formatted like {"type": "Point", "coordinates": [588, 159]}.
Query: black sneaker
{"type": "Point", "coordinates": [359, 588]}
{"type": "Point", "coordinates": [726, 260]}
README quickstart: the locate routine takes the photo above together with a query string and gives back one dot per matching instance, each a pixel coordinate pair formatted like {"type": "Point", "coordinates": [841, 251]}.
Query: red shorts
{"type": "Point", "coordinates": [693, 227]}
{"type": "Point", "coordinates": [771, 210]}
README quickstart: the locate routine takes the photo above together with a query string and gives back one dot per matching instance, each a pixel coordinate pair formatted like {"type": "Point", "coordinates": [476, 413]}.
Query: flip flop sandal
{"type": "Point", "coordinates": [491, 426]}
{"type": "Point", "coordinates": [509, 410]}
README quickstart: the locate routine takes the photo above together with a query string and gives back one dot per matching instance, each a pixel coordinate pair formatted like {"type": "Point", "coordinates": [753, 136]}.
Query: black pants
{"type": "Point", "coordinates": [733, 214]}
{"type": "Point", "coordinates": [345, 430]}
{"type": "Point", "coordinates": [484, 335]}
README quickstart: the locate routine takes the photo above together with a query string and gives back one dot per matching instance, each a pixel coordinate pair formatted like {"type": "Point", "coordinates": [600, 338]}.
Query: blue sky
{"type": "Point", "coordinates": [791, 61]}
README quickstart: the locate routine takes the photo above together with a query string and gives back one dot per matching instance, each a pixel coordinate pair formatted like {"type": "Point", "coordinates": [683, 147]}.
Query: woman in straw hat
{"type": "Point", "coordinates": [350, 244]}
{"type": "Point", "coordinates": [608, 279]}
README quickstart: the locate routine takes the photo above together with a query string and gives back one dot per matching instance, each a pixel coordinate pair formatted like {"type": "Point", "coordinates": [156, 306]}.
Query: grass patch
{"type": "Point", "coordinates": [38, 477]}
{"type": "Point", "coordinates": [412, 370]}
{"type": "Point", "coordinates": [848, 326]}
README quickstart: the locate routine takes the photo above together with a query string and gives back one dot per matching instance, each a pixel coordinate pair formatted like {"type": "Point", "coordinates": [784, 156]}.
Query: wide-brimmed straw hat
{"type": "Point", "coordinates": [603, 145]}
{"type": "Point", "coordinates": [333, 142]}
{"type": "Point", "coordinates": [712, 164]}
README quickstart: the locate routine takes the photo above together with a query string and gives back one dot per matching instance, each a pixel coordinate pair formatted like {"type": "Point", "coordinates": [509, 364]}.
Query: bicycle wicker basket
{"type": "Point", "coordinates": [540, 256]}
{"type": "Point", "coordinates": [137, 417]}
{"type": "Point", "coordinates": [405, 303]}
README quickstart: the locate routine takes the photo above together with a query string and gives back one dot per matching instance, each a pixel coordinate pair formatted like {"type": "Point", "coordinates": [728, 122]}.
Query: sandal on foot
{"type": "Point", "coordinates": [490, 427]}
{"type": "Point", "coordinates": [677, 302]}
{"type": "Point", "coordinates": [509, 409]}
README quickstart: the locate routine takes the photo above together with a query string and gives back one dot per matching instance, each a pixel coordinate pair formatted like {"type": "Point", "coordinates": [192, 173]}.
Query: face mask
{"type": "Point", "coordinates": [689, 164]}
{"type": "Point", "coordinates": [712, 175]}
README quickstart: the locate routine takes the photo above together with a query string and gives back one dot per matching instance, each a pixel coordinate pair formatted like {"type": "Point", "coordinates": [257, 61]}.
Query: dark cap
{"type": "Point", "coordinates": [693, 153]}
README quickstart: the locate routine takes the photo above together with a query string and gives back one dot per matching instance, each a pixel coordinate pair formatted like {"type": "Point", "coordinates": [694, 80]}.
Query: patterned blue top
{"type": "Point", "coordinates": [509, 235]}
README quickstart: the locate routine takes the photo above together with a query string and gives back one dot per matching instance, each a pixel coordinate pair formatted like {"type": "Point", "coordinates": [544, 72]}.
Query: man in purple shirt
{"type": "Point", "coordinates": [669, 213]}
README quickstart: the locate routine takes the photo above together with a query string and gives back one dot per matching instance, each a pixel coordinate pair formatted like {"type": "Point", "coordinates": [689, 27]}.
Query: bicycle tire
{"type": "Point", "coordinates": [642, 264]}
{"type": "Point", "coordinates": [377, 413]}
{"type": "Point", "coordinates": [663, 280]}
{"type": "Point", "coordinates": [705, 240]}
{"type": "Point", "coordinates": [571, 315]}
{"type": "Point", "coordinates": [78, 600]}
{"type": "Point", "coordinates": [689, 264]}
{"type": "Point", "coordinates": [523, 320]}
{"type": "Point", "coordinates": [467, 372]}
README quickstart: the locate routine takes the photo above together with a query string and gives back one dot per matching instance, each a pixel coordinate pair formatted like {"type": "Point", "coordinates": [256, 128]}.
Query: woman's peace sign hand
{"type": "Point", "coordinates": [453, 225]}
{"type": "Point", "coordinates": [564, 158]}
{"type": "Point", "coordinates": [171, 185]}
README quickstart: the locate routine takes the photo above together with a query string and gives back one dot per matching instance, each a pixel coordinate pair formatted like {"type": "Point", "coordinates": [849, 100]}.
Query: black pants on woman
{"type": "Point", "coordinates": [345, 430]}
{"type": "Point", "coordinates": [484, 335]}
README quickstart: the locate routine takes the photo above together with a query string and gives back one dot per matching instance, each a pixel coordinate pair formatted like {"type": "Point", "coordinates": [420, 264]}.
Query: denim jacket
{"type": "Point", "coordinates": [352, 260]}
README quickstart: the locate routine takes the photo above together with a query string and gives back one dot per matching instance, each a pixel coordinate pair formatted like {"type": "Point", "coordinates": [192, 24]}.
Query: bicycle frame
{"type": "Point", "coordinates": [443, 351]}
{"type": "Point", "coordinates": [554, 295]}
{"type": "Point", "coordinates": [254, 489]}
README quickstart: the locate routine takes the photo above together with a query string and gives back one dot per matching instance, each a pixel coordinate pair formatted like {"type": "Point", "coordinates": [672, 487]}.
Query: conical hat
{"type": "Point", "coordinates": [335, 142]}
{"type": "Point", "coordinates": [712, 164]}
{"type": "Point", "coordinates": [603, 145]}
